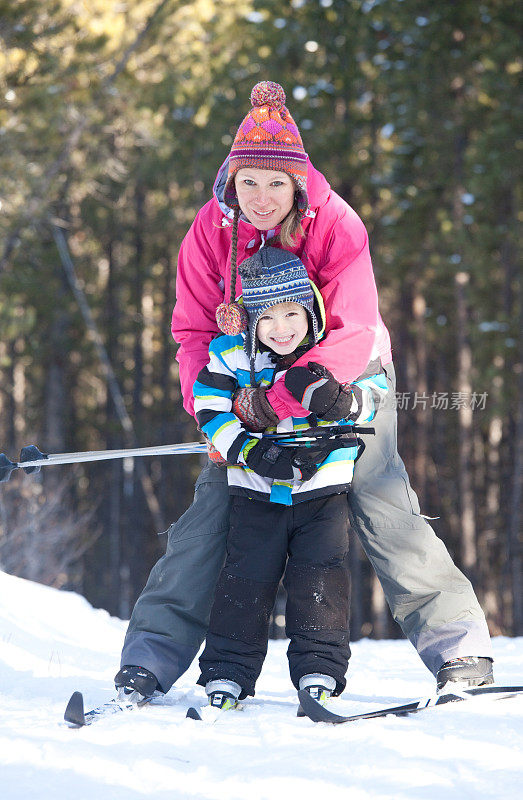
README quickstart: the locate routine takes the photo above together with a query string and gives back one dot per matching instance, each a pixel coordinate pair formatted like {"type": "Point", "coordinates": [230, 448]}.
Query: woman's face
{"type": "Point", "coordinates": [265, 196]}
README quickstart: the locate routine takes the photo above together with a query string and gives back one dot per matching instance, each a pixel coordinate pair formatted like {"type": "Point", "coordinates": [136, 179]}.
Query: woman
{"type": "Point", "coordinates": [268, 190]}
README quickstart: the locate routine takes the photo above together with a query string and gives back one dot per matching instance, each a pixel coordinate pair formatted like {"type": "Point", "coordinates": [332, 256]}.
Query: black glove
{"type": "Point", "coordinates": [270, 460]}
{"type": "Point", "coordinates": [309, 459]}
{"type": "Point", "coordinates": [317, 390]}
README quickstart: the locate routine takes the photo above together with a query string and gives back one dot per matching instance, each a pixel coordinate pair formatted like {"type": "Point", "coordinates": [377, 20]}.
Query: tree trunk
{"type": "Point", "coordinates": [513, 308]}
{"type": "Point", "coordinates": [132, 469]}
{"type": "Point", "coordinates": [380, 610]}
{"type": "Point", "coordinates": [56, 396]}
{"type": "Point", "coordinates": [489, 487]}
{"type": "Point", "coordinates": [8, 403]}
{"type": "Point", "coordinates": [514, 519]}
{"type": "Point", "coordinates": [112, 519]}
{"type": "Point", "coordinates": [466, 441]}
{"type": "Point", "coordinates": [422, 410]}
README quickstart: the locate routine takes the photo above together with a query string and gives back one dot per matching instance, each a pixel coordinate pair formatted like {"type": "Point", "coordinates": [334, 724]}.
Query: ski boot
{"type": "Point", "coordinates": [136, 684]}
{"type": "Point", "coordinates": [461, 673]}
{"type": "Point", "coordinates": [223, 694]}
{"type": "Point", "coordinates": [320, 687]}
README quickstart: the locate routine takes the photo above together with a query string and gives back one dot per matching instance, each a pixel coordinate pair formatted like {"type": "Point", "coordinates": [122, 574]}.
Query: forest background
{"type": "Point", "coordinates": [114, 117]}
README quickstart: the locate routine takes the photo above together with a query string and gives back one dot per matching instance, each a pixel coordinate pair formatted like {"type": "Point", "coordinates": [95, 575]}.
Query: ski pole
{"type": "Point", "coordinates": [32, 459]}
{"type": "Point", "coordinates": [321, 432]}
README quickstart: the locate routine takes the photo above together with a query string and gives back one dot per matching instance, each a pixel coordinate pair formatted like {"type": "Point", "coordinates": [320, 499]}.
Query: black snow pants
{"type": "Point", "coordinates": [309, 543]}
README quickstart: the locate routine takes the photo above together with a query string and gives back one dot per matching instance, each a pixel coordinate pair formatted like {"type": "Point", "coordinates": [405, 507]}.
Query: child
{"type": "Point", "coordinates": [288, 506]}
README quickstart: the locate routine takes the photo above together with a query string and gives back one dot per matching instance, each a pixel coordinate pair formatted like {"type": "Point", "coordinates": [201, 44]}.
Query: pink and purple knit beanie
{"type": "Point", "coordinates": [268, 138]}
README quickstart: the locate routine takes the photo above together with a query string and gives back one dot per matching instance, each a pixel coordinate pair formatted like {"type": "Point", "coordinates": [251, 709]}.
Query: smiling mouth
{"type": "Point", "coordinates": [283, 339]}
{"type": "Point", "coordinates": [263, 213]}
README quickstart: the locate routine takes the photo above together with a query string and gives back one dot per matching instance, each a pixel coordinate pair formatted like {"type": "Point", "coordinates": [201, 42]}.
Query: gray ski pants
{"type": "Point", "coordinates": [433, 602]}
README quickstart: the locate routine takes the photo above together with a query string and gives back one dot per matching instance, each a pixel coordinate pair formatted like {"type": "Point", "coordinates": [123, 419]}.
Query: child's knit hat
{"type": "Point", "coordinates": [274, 276]}
{"type": "Point", "coordinates": [268, 139]}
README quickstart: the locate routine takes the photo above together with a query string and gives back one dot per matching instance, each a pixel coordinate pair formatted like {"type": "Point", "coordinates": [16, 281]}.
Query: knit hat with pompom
{"type": "Point", "coordinates": [268, 139]}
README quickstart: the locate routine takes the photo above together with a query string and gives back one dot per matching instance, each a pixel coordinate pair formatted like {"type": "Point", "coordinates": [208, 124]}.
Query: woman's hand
{"type": "Point", "coordinates": [317, 390]}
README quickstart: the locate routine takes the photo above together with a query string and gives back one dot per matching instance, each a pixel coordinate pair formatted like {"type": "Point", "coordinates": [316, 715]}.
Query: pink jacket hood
{"type": "Point", "coordinates": [336, 255]}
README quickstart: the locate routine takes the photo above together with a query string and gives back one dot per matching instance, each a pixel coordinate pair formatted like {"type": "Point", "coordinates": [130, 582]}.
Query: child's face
{"type": "Point", "coordinates": [283, 327]}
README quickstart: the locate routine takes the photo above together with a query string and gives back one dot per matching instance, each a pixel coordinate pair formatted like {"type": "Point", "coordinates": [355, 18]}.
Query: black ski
{"type": "Point", "coordinates": [76, 717]}
{"type": "Point", "coordinates": [318, 713]}
{"type": "Point", "coordinates": [193, 713]}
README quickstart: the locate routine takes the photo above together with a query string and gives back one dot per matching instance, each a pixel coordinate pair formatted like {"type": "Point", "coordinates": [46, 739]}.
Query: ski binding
{"type": "Point", "coordinates": [77, 717]}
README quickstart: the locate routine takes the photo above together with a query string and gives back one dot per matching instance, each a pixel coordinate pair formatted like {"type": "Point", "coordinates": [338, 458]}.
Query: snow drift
{"type": "Point", "coordinates": [53, 642]}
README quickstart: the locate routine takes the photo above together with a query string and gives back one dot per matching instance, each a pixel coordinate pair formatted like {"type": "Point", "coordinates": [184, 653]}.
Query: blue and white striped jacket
{"type": "Point", "coordinates": [229, 369]}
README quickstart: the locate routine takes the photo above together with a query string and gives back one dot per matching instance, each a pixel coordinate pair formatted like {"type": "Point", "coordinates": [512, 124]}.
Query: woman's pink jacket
{"type": "Point", "coordinates": [335, 251]}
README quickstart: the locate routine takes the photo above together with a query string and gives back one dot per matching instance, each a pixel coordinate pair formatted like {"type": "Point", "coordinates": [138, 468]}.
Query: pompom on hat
{"type": "Point", "coordinates": [232, 318]}
{"type": "Point", "coordinates": [268, 138]}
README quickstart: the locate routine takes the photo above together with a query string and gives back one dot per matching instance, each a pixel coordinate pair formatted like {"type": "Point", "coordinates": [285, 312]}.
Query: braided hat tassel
{"type": "Point", "coordinates": [231, 317]}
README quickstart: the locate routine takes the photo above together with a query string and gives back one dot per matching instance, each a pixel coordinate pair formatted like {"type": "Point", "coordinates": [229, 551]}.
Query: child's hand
{"type": "Point", "coordinates": [317, 390]}
{"type": "Point", "coordinates": [270, 460]}
{"type": "Point", "coordinates": [214, 455]}
{"type": "Point", "coordinates": [252, 408]}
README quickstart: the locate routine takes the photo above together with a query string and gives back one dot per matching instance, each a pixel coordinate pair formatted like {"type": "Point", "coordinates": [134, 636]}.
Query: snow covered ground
{"type": "Point", "coordinates": [54, 642]}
